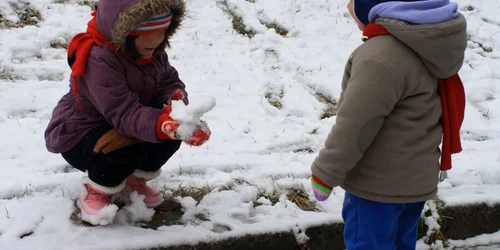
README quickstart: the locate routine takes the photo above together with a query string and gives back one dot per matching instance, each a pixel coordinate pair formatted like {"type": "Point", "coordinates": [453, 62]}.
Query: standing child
{"type": "Point", "coordinates": [114, 124]}
{"type": "Point", "coordinates": [400, 95]}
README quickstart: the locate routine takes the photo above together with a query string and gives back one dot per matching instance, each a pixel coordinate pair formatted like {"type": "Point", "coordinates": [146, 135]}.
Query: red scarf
{"type": "Point", "coordinates": [452, 95]}
{"type": "Point", "coordinates": [79, 50]}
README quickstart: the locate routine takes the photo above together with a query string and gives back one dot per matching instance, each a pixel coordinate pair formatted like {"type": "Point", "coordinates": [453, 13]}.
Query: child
{"type": "Point", "coordinates": [114, 124]}
{"type": "Point", "coordinates": [400, 94]}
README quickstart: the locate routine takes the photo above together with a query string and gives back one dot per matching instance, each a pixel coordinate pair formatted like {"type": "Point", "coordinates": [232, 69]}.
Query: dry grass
{"type": "Point", "coordinates": [486, 114]}
{"type": "Point", "coordinates": [275, 98]}
{"type": "Point", "coordinates": [282, 31]}
{"type": "Point", "coordinates": [302, 201]}
{"type": "Point", "coordinates": [86, 2]}
{"type": "Point", "coordinates": [297, 196]}
{"type": "Point", "coordinates": [58, 45]}
{"type": "Point", "coordinates": [239, 26]}
{"type": "Point", "coordinates": [26, 234]}
{"type": "Point", "coordinates": [237, 21]}
{"type": "Point", "coordinates": [8, 75]}
{"type": "Point", "coordinates": [196, 193]}
{"type": "Point", "coordinates": [273, 198]}
{"type": "Point", "coordinates": [27, 15]}
{"type": "Point", "coordinates": [331, 106]}
{"type": "Point", "coordinates": [485, 48]}
{"type": "Point", "coordinates": [242, 29]}
{"type": "Point", "coordinates": [170, 212]}
{"type": "Point", "coordinates": [434, 235]}
{"type": "Point", "coordinates": [304, 150]}
{"type": "Point", "coordinates": [313, 132]}
{"type": "Point", "coordinates": [170, 205]}
{"type": "Point", "coordinates": [90, 3]}
{"type": "Point", "coordinates": [468, 8]}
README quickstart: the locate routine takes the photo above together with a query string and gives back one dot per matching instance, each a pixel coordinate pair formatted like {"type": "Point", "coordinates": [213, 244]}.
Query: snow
{"type": "Point", "coordinates": [135, 211]}
{"type": "Point", "coordinates": [189, 116]}
{"type": "Point", "coordinates": [105, 216]}
{"type": "Point", "coordinates": [480, 240]}
{"type": "Point", "coordinates": [256, 149]}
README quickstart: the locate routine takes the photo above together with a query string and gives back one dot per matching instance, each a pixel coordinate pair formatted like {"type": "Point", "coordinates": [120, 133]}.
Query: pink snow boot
{"type": "Point", "coordinates": [95, 202]}
{"type": "Point", "coordinates": [137, 182]}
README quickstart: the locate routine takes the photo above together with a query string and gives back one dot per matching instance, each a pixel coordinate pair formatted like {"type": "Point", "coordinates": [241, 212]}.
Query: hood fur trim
{"type": "Point", "coordinates": [134, 16]}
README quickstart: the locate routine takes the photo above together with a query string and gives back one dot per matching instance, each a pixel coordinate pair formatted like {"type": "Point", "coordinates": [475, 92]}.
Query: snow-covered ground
{"type": "Point", "coordinates": [268, 124]}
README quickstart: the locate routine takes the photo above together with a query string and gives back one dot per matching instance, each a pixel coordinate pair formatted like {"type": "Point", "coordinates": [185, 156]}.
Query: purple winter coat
{"type": "Point", "coordinates": [115, 92]}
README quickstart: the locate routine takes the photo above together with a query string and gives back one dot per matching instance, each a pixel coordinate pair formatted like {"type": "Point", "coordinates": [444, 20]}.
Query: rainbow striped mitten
{"type": "Point", "coordinates": [321, 190]}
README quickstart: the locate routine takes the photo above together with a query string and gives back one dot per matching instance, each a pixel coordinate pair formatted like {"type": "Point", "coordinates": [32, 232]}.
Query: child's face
{"type": "Point", "coordinates": [350, 7]}
{"type": "Point", "coordinates": [147, 43]}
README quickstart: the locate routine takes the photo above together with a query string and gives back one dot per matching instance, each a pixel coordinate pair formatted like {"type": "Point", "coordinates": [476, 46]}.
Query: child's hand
{"type": "Point", "coordinates": [200, 135]}
{"type": "Point", "coordinates": [166, 128]}
{"type": "Point", "coordinates": [176, 96]}
{"type": "Point", "coordinates": [321, 190]}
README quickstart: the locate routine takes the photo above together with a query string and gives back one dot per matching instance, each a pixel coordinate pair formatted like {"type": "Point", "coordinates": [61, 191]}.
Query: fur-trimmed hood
{"type": "Point", "coordinates": [117, 18]}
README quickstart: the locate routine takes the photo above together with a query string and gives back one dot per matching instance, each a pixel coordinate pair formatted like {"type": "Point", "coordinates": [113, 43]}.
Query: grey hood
{"type": "Point", "coordinates": [441, 46]}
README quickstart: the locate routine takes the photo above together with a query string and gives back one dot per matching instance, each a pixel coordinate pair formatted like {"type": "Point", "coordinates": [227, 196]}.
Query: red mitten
{"type": "Point", "coordinates": [176, 96]}
{"type": "Point", "coordinates": [166, 127]}
{"type": "Point", "coordinates": [200, 135]}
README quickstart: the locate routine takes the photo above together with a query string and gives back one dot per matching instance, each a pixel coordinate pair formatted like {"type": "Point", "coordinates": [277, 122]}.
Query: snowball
{"type": "Point", "coordinates": [189, 116]}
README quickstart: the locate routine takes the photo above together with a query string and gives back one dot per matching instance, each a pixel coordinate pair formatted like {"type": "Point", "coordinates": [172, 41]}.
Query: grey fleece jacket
{"type": "Point", "coordinates": [385, 143]}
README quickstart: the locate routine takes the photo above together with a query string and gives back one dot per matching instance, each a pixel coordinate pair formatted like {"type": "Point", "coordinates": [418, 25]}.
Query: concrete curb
{"type": "Point", "coordinates": [457, 222]}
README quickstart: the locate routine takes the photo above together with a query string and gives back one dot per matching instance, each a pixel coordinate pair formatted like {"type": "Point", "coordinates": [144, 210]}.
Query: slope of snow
{"type": "Point", "coordinates": [255, 149]}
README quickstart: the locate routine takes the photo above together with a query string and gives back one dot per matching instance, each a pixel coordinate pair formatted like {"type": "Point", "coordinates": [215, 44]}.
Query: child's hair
{"type": "Point", "coordinates": [131, 51]}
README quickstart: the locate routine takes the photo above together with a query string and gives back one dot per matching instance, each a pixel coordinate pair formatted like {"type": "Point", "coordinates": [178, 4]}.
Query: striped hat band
{"type": "Point", "coordinates": [158, 22]}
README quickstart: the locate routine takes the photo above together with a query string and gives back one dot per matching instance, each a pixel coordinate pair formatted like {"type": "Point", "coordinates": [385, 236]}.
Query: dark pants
{"type": "Point", "coordinates": [381, 226]}
{"type": "Point", "coordinates": [110, 157]}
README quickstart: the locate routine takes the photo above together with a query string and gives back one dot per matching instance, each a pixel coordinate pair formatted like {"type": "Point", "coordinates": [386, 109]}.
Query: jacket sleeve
{"type": "Point", "coordinates": [370, 95]}
{"type": "Point", "coordinates": [106, 88]}
{"type": "Point", "coordinates": [169, 83]}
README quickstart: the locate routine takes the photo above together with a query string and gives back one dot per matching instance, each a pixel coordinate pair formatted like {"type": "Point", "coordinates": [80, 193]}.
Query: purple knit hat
{"type": "Point", "coordinates": [362, 7]}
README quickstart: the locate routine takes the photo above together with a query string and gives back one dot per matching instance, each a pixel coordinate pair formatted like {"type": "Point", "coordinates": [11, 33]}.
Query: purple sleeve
{"type": "Point", "coordinates": [106, 88]}
{"type": "Point", "coordinates": [169, 83]}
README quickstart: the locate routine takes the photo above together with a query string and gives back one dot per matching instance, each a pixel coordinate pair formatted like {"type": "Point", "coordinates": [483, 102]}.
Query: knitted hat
{"type": "Point", "coordinates": [158, 22]}
{"type": "Point", "coordinates": [362, 8]}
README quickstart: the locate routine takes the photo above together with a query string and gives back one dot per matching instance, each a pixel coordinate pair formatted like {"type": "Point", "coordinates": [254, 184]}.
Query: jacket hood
{"type": "Point", "coordinates": [117, 18]}
{"type": "Point", "coordinates": [441, 46]}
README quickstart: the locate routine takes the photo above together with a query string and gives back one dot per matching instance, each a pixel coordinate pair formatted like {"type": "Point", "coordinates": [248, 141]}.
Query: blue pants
{"type": "Point", "coordinates": [380, 226]}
